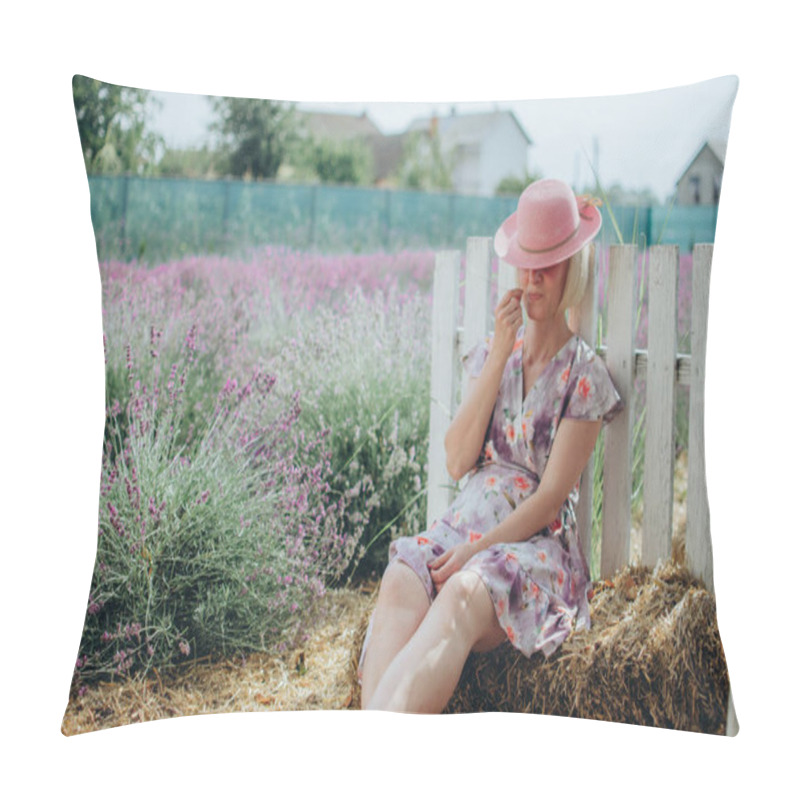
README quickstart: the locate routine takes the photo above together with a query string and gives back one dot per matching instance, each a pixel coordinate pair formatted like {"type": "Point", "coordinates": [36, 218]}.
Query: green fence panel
{"type": "Point", "coordinates": [418, 220]}
{"type": "Point", "coordinates": [155, 219]}
{"type": "Point", "coordinates": [261, 213]}
{"type": "Point", "coordinates": [685, 226]}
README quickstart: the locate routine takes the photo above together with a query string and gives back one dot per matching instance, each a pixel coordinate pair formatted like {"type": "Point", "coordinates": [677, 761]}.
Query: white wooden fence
{"type": "Point", "coordinates": [661, 365]}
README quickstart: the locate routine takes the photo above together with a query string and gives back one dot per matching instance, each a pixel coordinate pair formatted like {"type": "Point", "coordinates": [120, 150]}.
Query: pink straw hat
{"type": "Point", "coordinates": [549, 225]}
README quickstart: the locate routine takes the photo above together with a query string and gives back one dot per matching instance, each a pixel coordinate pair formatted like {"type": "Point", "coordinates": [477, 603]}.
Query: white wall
{"type": "Point", "coordinates": [707, 169]}
{"type": "Point", "coordinates": [505, 152]}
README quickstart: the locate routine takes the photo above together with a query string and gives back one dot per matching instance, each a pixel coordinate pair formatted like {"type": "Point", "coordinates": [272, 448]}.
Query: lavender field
{"type": "Point", "coordinates": [266, 436]}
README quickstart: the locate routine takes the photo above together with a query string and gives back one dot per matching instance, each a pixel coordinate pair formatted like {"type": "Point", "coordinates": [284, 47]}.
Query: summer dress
{"type": "Point", "coordinates": [538, 586]}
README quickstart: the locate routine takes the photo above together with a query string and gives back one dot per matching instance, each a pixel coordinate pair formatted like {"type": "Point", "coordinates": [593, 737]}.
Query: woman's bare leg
{"type": "Point", "coordinates": [402, 605]}
{"type": "Point", "coordinates": [425, 673]}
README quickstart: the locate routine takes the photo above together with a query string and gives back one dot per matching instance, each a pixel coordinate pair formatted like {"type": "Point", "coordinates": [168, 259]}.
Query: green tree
{"type": "Point", "coordinates": [347, 161]}
{"type": "Point", "coordinates": [112, 125]}
{"type": "Point", "coordinates": [514, 185]}
{"type": "Point", "coordinates": [258, 134]}
{"type": "Point", "coordinates": [424, 164]}
{"type": "Point", "coordinates": [189, 163]}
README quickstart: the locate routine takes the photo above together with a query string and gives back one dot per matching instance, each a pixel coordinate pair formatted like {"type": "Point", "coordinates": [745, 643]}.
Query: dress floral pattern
{"type": "Point", "coordinates": [538, 586]}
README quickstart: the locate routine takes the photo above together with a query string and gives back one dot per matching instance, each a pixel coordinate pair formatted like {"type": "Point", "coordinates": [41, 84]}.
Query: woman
{"type": "Point", "coordinates": [504, 562]}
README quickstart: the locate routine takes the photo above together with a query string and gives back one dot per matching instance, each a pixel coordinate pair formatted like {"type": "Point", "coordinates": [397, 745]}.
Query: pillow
{"type": "Point", "coordinates": [267, 274]}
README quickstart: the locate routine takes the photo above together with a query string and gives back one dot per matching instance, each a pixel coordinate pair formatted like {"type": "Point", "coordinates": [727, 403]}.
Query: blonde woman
{"type": "Point", "coordinates": [504, 563]}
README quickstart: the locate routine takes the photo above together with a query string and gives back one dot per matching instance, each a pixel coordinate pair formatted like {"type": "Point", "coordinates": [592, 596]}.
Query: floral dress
{"type": "Point", "coordinates": [538, 586]}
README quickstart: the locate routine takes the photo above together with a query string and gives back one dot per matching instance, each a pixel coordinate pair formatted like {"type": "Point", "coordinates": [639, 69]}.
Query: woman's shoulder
{"type": "Point", "coordinates": [584, 350]}
{"type": "Point", "coordinates": [587, 358]}
{"type": "Point", "coordinates": [591, 388]}
{"type": "Point", "coordinates": [587, 362]}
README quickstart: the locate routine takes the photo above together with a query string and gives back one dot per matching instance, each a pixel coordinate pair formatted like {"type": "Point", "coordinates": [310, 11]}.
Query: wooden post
{"type": "Point", "coordinates": [387, 222]}
{"type": "Point", "coordinates": [444, 352]}
{"type": "Point", "coordinates": [451, 219]}
{"type": "Point", "coordinates": [659, 453]}
{"type": "Point", "coordinates": [698, 530]}
{"type": "Point", "coordinates": [312, 217]}
{"type": "Point", "coordinates": [226, 212]}
{"type": "Point", "coordinates": [583, 321]}
{"type": "Point", "coordinates": [615, 549]}
{"type": "Point", "coordinates": [123, 230]}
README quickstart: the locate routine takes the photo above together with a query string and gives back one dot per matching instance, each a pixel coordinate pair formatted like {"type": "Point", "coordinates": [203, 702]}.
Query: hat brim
{"type": "Point", "coordinates": [509, 250]}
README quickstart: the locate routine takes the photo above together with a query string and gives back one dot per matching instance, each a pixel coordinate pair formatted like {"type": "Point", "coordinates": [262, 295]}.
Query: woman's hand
{"type": "Point", "coordinates": [449, 563]}
{"type": "Point", "coordinates": [507, 319]}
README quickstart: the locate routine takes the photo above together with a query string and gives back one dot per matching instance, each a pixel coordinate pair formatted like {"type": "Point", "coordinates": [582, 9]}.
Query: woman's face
{"type": "Point", "coordinates": [542, 290]}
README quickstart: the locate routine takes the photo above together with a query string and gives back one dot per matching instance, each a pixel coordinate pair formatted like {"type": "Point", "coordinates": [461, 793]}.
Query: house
{"type": "Point", "coordinates": [700, 182]}
{"type": "Point", "coordinates": [478, 149]}
{"type": "Point", "coordinates": [481, 148]}
{"type": "Point", "coordinates": [332, 128]}
{"type": "Point", "coordinates": [336, 127]}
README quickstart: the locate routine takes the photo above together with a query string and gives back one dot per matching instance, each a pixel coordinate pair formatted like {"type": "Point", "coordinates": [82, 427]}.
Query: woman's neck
{"type": "Point", "coordinates": [542, 340]}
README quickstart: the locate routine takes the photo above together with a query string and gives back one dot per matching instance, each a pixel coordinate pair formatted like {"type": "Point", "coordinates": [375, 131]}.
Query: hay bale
{"type": "Point", "coordinates": [355, 653]}
{"type": "Point", "coordinates": [653, 657]}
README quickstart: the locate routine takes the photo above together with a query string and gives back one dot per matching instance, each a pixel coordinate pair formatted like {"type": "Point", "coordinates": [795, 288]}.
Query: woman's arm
{"type": "Point", "coordinates": [463, 441]}
{"type": "Point", "coordinates": [572, 447]}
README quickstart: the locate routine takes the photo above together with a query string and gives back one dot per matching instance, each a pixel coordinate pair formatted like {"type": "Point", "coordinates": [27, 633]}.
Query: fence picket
{"type": "Point", "coordinates": [615, 548]}
{"type": "Point", "coordinates": [659, 454]}
{"type": "Point", "coordinates": [444, 356]}
{"type": "Point", "coordinates": [506, 279]}
{"type": "Point", "coordinates": [477, 277]}
{"type": "Point", "coordinates": [698, 532]}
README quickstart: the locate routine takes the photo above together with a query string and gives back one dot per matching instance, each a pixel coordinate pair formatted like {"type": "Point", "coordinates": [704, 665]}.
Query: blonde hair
{"type": "Point", "coordinates": [577, 277]}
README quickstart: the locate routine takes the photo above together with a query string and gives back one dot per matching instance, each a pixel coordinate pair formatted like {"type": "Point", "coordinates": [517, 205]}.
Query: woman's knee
{"type": "Point", "coordinates": [465, 601]}
{"type": "Point", "coordinates": [462, 588]}
{"type": "Point", "coordinates": [401, 586]}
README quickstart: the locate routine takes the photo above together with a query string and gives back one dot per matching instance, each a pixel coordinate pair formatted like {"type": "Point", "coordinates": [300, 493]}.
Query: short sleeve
{"type": "Point", "coordinates": [474, 360]}
{"type": "Point", "coordinates": [592, 394]}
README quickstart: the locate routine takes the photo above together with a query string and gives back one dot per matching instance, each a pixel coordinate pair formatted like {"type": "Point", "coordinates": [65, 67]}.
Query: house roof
{"type": "Point", "coordinates": [467, 127]}
{"type": "Point", "coordinates": [337, 126]}
{"type": "Point", "coordinates": [718, 148]}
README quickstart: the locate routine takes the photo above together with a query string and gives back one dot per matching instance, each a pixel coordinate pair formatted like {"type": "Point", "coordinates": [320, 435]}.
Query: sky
{"type": "Point", "coordinates": [642, 141]}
